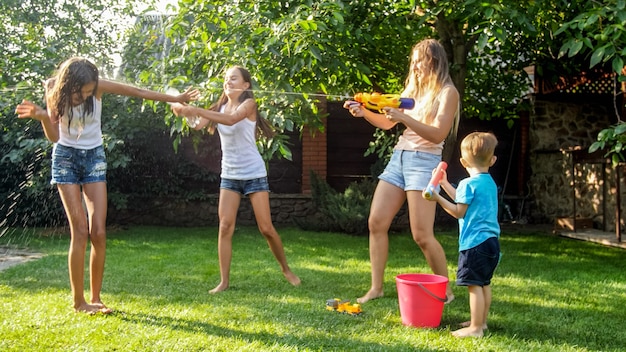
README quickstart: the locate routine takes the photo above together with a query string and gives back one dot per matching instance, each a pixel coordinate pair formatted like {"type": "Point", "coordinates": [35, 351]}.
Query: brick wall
{"type": "Point", "coordinates": [314, 151]}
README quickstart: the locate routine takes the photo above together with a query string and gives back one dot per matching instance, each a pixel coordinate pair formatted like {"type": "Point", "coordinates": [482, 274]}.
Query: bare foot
{"type": "Point", "coordinates": [92, 309]}
{"type": "Point", "coordinates": [292, 278]}
{"type": "Point", "coordinates": [468, 332]}
{"type": "Point", "coordinates": [219, 288]}
{"type": "Point", "coordinates": [370, 295]}
{"type": "Point", "coordinates": [103, 308]}
{"type": "Point", "coordinates": [468, 323]}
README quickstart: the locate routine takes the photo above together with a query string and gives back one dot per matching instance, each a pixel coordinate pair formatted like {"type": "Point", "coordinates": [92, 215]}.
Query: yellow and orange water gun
{"type": "Point", "coordinates": [343, 306]}
{"type": "Point", "coordinates": [378, 101]}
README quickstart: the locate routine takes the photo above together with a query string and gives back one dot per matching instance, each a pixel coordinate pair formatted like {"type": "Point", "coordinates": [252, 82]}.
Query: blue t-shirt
{"type": "Point", "coordinates": [480, 193]}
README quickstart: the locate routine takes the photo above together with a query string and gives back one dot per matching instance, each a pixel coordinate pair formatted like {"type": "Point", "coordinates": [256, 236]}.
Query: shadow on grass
{"type": "Point", "coordinates": [318, 341]}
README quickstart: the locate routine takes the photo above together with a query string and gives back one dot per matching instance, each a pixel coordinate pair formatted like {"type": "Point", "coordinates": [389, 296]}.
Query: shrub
{"type": "Point", "coordinates": [340, 212]}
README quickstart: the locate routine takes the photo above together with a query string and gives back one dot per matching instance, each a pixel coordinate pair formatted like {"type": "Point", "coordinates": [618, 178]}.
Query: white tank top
{"type": "Point", "coordinates": [83, 133]}
{"type": "Point", "coordinates": [241, 159]}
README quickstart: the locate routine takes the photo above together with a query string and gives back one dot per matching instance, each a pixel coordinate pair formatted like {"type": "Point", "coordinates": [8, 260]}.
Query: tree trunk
{"type": "Point", "coordinates": [452, 38]}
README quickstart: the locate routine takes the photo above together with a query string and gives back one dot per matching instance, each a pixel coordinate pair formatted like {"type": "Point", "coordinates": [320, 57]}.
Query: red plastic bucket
{"type": "Point", "coordinates": [421, 298]}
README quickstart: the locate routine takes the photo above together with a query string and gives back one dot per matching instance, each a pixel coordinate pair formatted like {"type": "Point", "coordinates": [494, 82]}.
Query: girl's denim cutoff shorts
{"type": "Point", "coordinates": [410, 170]}
{"type": "Point", "coordinates": [246, 187]}
{"type": "Point", "coordinates": [78, 166]}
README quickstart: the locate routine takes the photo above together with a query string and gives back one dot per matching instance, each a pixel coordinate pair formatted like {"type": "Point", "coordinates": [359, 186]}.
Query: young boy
{"type": "Point", "coordinates": [476, 207]}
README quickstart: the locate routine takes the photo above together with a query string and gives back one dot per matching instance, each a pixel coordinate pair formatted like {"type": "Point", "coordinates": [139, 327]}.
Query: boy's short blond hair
{"type": "Point", "coordinates": [478, 148]}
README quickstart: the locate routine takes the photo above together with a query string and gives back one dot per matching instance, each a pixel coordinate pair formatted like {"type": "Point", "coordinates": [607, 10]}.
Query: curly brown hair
{"type": "Point", "coordinates": [69, 79]}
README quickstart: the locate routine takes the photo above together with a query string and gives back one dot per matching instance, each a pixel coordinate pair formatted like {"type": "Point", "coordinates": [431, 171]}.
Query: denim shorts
{"type": "Point", "coordinates": [246, 187]}
{"type": "Point", "coordinates": [78, 166]}
{"type": "Point", "coordinates": [410, 170]}
{"type": "Point", "coordinates": [477, 265]}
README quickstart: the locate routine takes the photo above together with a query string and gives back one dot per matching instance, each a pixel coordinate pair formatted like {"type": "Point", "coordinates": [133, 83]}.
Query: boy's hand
{"type": "Point", "coordinates": [433, 196]}
{"type": "Point", "coordinates": [444, 176]}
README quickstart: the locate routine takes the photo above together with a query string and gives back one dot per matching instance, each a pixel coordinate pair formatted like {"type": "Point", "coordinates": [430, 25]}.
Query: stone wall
{"type": "Point", "coordinates": [198, 213]}
{"type": "Point", "coordinates": [178, 212]}
{"type": "Point", "coordinates": [557, 128]}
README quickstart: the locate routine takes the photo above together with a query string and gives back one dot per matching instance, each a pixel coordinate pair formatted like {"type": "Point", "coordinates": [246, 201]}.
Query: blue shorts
{"type": "Point", "coordinates": [477, 265]}
{"type": "Point", "coordinates": [246, 187]}
{"type": "Point", "coordinates": [73, 166]}
{"type": "Point", "coordinates": [410, 170]}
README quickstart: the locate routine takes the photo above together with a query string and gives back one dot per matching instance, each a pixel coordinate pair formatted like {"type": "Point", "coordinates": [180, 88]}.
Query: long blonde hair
{"type": "Point", "coordinates": [426, 91]}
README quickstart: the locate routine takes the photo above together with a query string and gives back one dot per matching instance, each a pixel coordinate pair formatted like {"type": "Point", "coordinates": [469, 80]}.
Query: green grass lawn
{"type": "Point", "coordinates": [550, 294]}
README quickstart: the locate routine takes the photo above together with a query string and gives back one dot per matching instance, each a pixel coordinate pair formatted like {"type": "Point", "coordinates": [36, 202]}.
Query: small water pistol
{"type": "Point", "coordinates": [435, 179]}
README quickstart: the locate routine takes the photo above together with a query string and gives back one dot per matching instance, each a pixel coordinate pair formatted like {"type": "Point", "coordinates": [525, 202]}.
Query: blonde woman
{"type": "Point", "coordinates": [416, 154]}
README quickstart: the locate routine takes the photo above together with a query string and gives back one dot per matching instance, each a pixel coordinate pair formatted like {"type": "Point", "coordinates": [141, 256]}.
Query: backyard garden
{"type": "Point", "coordinates": [549, 294]}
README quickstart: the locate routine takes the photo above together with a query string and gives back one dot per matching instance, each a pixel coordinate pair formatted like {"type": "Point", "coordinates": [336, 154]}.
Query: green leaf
{"type": "Point", "coordinates": [489, 12]}
{"type": "Point", "coordinates": [562, 28]}
{"type": "Point", "coordinates": [304, 25]}
{"type": "Point", "coordinates": [615, 159]}
{"type": "Point", "coordinates": [338, 16]}
{"type": "Point", "coordinates": [596, 57]}
{"type": "Point", "coordinates": [591, 20]}
{"type": "Point", "coordinates": [575, 48]}
{"type": "Point", "coordinates": [621, 15]}
{"type": "Point", "coordinates": [565, 48]}
{"type": "Point", "coordinates": [285, 152]}
{"type": "Point", "coordinates": [620, 128]}
{"type": "Point", "coordinates": [618, 64]}
{"type": "Point", "coordinates": [177, 142]}
{"type": "Point", "coordinates": [316, 53]}
{"type": "Point", "coordinates": [482, 41]}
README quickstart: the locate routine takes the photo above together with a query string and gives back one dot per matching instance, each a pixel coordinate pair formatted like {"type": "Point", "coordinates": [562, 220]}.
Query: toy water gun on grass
{"type": "Point", "coordinates": [435, 179]}
{"type": "Point", "coordinates": [378, 101]}
{"type": "Point", "coordinates": [344, 306]}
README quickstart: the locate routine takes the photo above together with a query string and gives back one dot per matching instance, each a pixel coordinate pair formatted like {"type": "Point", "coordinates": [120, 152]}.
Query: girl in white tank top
{"type": "Point", "coordinates": [243, 169]}
{"type": "Point", "coordinates": [72, 122]}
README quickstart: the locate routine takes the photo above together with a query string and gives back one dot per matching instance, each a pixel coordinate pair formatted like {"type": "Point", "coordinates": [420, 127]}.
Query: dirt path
{"type": "Point", "coordinates": [13, 256]}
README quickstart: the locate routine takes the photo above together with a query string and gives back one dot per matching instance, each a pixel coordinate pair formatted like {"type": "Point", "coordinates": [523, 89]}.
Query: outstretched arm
{"type": "Point", "coordinates": [28, 109]}
{"type": "Point", "coordinates": [111, 87]}
{"type": "Point", "coordinates": [247, 109]}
